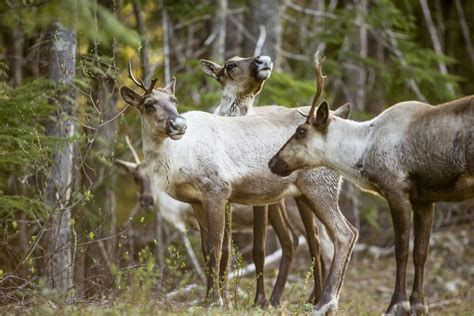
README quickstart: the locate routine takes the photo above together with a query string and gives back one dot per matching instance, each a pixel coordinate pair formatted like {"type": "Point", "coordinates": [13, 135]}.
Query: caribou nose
{"type": "Point", "coordinates": [178, 124]}
{"type": "Point", "coordinates": [279, 167]}
{"type": "Point", "coordinates": [176, 127]}
{"type": "Point", "coordinates": [263, 61]}
{"type": "Point", "coordinates": [146, 200]}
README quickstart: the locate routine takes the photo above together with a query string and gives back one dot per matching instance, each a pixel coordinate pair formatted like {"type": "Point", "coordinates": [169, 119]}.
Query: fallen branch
{"type": "Point", "coordinates": [182, 291]}
{"type": "Point", "coordinates": [440, 304]}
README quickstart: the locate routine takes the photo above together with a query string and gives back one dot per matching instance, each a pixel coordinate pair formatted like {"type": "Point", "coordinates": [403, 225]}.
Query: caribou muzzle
{"type": "Point", "coordinates": [279, 167]}
{"type": "Point", "coordinates": [263, 67]}
{"type": "Point", "coordinates": [176, 127]}
{"type": "Point", "coordinates": [146, 201]}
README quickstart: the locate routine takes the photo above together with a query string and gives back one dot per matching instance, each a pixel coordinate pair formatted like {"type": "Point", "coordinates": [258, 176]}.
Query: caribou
{"type": "Point", "coordinates": [241, 80]}
{"type": "Point", "coordinates": [207, 160]}
{"type": "Point", "coordinates": [413, 154]}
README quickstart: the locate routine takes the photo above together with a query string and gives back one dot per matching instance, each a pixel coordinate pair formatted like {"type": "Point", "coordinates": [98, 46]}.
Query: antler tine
{"type": "Point", "coordinates": [138, 82]}
{"type": "Point", "coordinates": [319, 83]}
{"type": "Point", "coordinates": [134, 153]}
{"type": "Point", "coordinates": [152, 85]}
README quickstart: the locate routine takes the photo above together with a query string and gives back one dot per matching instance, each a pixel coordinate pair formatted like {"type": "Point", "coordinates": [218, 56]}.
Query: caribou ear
{"type": "Point", "coordinates": [344, 111]}
{"type": "Point", "coordinates": [130, 96]}
{"type": "Point", "coordinates": [322, 115]}
{"type": "Point", "coordinates": [210, 68]}
{"type": "Point", "coordinates": [128, 166]}
{"type": "Point", "coordinates": [171, 87]}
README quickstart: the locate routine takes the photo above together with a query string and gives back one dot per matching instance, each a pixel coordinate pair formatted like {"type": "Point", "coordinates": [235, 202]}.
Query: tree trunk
{"type": "Point", "coordinates": [219, 31]}
{"type": "Point", "coordinates": [435, 40]}
{"type": "Point", "coordinates": [166, 43]}
{"type": "Point", "coordinates": [145, 49]}
{"type": "Point", "coordinates": [14, 40]}
{"type": "Point", "coordinates": [355, 76]}
{"type": "Point", "coordinates": [106, 96]}
{"type": "Point", "coordinates": [268, 14]}
{"type": "Point", "coordinates": [465, 30]}
{"type": "Point", "coordinates": [62, 64]}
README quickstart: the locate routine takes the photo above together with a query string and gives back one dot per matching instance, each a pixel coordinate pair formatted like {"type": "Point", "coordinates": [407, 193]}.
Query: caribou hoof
{"type": "Point", "coordinates": [399, 309]}
{"type": "Point", "coordinates": [419, 309]}
{"type": "Point", "coordinates": [261, 301]}
{"type": "Point", "coordinates": [275, 301]}
{"type": "Point", "coordinates": [322, 309]}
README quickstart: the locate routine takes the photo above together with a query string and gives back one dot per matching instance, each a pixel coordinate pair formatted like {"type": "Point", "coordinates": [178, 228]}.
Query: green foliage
{"type": "Point", "coordinates": [89, 18]}
{"type": "Point", "coordinates": [396, 29]}
{"type": "Point", "coordinates": [284, 89]}
{"type": "Point", "coordinates": [25, 149]}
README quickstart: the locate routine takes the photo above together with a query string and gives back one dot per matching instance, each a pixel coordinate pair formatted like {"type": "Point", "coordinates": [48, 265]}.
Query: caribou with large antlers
{"type": "Point", "coordinates": [412, 154]}
{"type": "Point", "coordinates": [206, 160]}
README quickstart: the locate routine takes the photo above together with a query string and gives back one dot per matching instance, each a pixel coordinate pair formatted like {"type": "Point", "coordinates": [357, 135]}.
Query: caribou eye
{"type": "Point", "coordinates": [300, 132]}
{"type": "Point", "coordinates": [229, 67]}
{"type": "Point", "coordinates": [149, 106]}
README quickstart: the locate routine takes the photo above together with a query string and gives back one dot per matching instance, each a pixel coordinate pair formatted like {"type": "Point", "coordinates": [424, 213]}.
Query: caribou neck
{"type": "Point", "coordinates": [232, 105]}
{"type": "Point", "coordinates": [347, 148]}
{"type": "Point", "coordinates": [154, 147]}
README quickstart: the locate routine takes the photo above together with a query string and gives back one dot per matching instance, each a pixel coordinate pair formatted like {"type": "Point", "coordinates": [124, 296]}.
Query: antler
{"type": "Point", "coordinates": [134, 153]}
{"type": "Point", "coordinates": [139, 82]}
{"type": "Point", "coordinates": [319, 83]}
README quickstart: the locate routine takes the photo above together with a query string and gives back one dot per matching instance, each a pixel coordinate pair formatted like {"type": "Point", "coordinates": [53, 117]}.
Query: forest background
{"type": "Point", "coordinates": [71, 228]}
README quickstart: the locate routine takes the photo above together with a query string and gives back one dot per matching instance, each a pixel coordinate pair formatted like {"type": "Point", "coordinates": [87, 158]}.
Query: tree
{"type": "Point", "coordinates": [264, 18]}
{"type": "Point", "coordinates": [62, 64]}
{"type": "Point", "coordinates": [219, 31]}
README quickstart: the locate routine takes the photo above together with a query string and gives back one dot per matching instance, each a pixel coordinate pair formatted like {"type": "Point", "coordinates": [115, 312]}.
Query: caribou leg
{"type": "Point", "coordinates": [260, 216]}
{"type": "Point", "coordinates": [343, 237]}
{"type": "Point", "coordinates": [289, 242]}
{"type": "Point", "coordinates": [201, 217]}
{"type": "Point", "coordinates": [226, 251]}
{"type": "Point", "coordinates": [215, 211]}
{"type": "Point", "coordinates": [423, 221]}
{"type": "Point", "coordinates": [314, 249]}
{"type": "Point", "coordinates": [401, 211]}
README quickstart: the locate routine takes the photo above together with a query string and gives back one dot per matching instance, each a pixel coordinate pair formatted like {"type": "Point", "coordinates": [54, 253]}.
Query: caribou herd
{"type": "Point", "coordinates": [196, 163]}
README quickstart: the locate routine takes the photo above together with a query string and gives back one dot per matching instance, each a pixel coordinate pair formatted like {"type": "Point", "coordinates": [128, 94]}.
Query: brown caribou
{"type": "Point", "coordinates": [412, 154]}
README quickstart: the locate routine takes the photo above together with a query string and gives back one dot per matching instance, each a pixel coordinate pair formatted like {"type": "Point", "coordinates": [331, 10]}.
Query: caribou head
{"type": "Point", "coordinates": [240, 77]}
{"type": "Point", "coordinates": [140, 175]}
{"type": "Point", "coordinates": [306, 148]}
{"type": "Point", "coordinates": [158, 107]}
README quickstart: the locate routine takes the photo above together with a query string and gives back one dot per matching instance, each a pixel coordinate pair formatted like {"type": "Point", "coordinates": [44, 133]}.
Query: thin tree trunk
{"type": "Point", "coordinates": [355, 77]}
{"type": "Point", "coordinates": [166, 43]}
{"type": "Point", "coordinates": [14, 38]}
{"type": "Point", "coordinates": [146, 49]}
{"type": "Point", "coordinates": [233, 36]}
{"type": "Point", "coordinates": [465, 30]}
{"type": "Point", "coordinates": [268, 14]}
{"type": "Point", "coordinates": [219, 31]}
{"type": "Point", "coordinates": [435, 39]}
{"type": "Point", "coordinates": [106, 96]}
{"type": "Point", "coordinates": [62, 63]}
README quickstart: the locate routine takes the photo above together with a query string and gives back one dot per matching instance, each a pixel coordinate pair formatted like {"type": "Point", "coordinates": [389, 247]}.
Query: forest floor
{"type": "Point", "coordinates": [367, 288]}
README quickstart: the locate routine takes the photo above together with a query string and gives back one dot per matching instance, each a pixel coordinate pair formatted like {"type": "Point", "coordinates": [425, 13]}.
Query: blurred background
{"type": "Point", "coordinates": [71, 226]}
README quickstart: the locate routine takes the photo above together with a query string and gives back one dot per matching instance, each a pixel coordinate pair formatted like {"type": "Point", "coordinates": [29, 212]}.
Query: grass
{"type": "Point", "coordinates": [366, 291]}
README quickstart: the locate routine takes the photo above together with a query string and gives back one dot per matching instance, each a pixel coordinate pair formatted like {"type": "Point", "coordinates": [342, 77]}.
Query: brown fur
{"type": "Point", "coordinates": [413, 154]}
